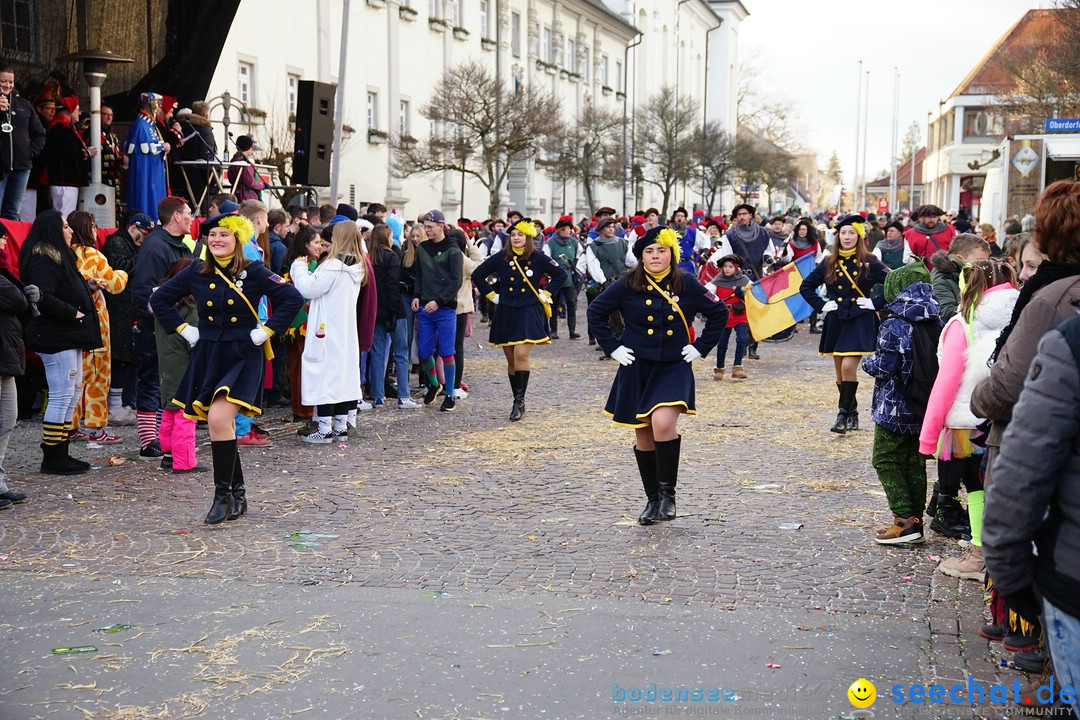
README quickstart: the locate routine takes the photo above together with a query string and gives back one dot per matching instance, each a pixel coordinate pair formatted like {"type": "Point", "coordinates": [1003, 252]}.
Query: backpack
{"type": "Point", "coordinates": [924, 364]}
{"type": "Point", "coordinates": [1071, 330]}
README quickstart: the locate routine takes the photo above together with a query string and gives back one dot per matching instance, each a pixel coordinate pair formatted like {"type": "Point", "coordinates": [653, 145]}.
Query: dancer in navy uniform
{"type": "Point", "coordinates": [849, 274]}
{"type": "Point", "coordinates": [225, 375]}
{"type": "Point", "coordinates": [655, 383]}
{"type": "Point", "coordinates": [521, 307]}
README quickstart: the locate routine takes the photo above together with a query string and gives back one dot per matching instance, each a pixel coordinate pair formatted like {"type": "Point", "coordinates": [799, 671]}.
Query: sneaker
{"type": "Point", "coordinates": [432, 392]}
{"type": "Point", "coordinates": [460, 394]}
{"type": "Point", "coordinates": [13, 497]}
{"type": "Point", "coordinates": [4, 503]}
{"type": "Point", "coordinates": [408, 404]}
{"type": "Point", "coordinates": [1032, 661]}
{"type": "Point", "coordinates": [151, 451]}
{"type": "Point", "coordinates": [317, 438]}
{"type": "Point", "coordinates": [379, 403]}
{"type": "Point", "coordinates": [341, 435]}
{"type": "Point", "coordinates": [79, 435]}
{"type": "Point", "coordinates": [364, 406]}
{"type": "Point", "coordinates": [309, 425]}
{"type": "Point", "coordinates": [464, 386]}
{"type": "Point", "coordinates": [253, 439]}
{"type": "Point", "coordinates": [969, 566]}
{"type": "Point", "coordinates": [447, 404]}
{"type": "Point", "coordinates": [992, 632]}
{"type": "Point", "coordinates": [122, 416]}
{"type": "Point", "coordinates": [1016, 642]}
{"type": "Point", "coordinates": [166, 462]}
{"type": "Point", "coordinates": [105, 437]}
{"type": "Point", "coordinates": [718, 374]}
{"type": "Point", "coordinates": [903, 530]}
{"type": "Point", "coordinates": [259, 432]}
{"type": "Point", "coordinates": [186, 471]}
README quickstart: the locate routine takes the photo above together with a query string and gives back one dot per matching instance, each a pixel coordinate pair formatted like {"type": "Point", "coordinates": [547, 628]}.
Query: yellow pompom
{"type": "Point", "coordinates": [670, 238]}
{"type": "Point", "coordinates": [526, 228]}
{"type": "Point", "coordinates": [860, 229]}
{"type": "Point", "coordinates": [239, 226]}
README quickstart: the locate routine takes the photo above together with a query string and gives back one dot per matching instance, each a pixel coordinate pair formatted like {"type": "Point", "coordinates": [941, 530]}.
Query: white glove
{"type": "Point", "coordinates": [259, 335]}
{"type": "Point", "coordinates": [545, 297]}
{"type": "Point", "coordinates": [865, 303]}
{"type": "Point", "coordinates": [623, 355]}
{"type": "Point", "coordinates": [495, 299]}
{"type": "Point", "coordinates": [829, 307]}
{"type": "Point", "coordinates": [191, 334]}
{"type": "Point", "coordinates": [690, 353]}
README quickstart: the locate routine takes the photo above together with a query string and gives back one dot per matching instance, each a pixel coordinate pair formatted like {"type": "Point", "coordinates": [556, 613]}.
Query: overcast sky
{"type": "Point", "coordinates": [806, 53]}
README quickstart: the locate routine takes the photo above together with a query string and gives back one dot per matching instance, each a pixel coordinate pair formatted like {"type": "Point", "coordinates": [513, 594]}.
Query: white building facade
{"type": "Point", "coordinates": [613, 53]}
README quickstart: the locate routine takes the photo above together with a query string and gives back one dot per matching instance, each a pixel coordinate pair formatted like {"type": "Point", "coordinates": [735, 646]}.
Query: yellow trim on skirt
{"type": "Point", "coordinates": [647, 416]}
{"type": "Point", "coordinates": [545, 341]}
{"type": "Point", "coordinates": [203, 410]}
{"type": "Point", "coordinates": [848, 354]}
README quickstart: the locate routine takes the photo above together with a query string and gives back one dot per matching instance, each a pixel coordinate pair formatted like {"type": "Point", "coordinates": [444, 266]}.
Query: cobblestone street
{"type": "Point", "coordinates": [458, 565]}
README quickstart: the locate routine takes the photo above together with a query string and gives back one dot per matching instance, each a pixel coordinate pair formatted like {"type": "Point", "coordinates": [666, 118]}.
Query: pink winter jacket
{"type": "Point", "coordinates": [961, 367]}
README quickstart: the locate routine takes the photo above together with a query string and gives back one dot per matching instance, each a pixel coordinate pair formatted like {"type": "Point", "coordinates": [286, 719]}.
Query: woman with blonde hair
{"type": "Point", "coordinates": [330, 364]}
{"type": "Point", "coordinates": [225, 376]}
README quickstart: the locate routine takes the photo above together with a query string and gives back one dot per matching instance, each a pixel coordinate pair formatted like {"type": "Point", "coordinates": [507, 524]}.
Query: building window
{"type": "Point", "coordinates": [404, 121]}
{"type": "Point", "coordinates": [373, 110]}
{"type": "Point", "coordinates": [246, 83]}
{"type": "Point", "coordinates": [18, 28]}
{"type": "Point", "coordinates": [515, 34]}
{"type": "Point", "coordinates": [484, 34]}
{"type": "Point", "coordinates": [433, 8]}
{"type": "Point", "coordinates": [456, 12]}
{"type": "Point", "coordinates": [604, 78]}
{"type": "Point", "coordinates": [618, 76]}
{"type": "Point", "coordinates": [292, 85]}
{"type": "Point", "coordinates": [571, 55]}
{"type": "Point", "coordinates": [546, 51]}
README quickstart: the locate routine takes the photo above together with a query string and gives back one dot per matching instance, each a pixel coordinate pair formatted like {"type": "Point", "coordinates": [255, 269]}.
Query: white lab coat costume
{"type": "Point", "coordinates": [330, 366]}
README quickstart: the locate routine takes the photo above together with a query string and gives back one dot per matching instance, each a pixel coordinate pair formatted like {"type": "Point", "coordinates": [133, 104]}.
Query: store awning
{"type": "Point", "coordinates": [1063, 148]}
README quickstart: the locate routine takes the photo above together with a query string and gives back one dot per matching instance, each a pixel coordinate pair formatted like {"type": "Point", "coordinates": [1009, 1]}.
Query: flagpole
{"type": "Point", "coordinates": [855, 167]}
{"type": "Point", "coordinates": [866, 126]}
{"type": "Point", "coordinates": [895, 131]}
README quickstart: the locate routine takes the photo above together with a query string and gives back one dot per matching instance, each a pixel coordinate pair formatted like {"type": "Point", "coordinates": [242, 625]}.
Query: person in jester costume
{"type": "Point", "coordinates": [146, 152]}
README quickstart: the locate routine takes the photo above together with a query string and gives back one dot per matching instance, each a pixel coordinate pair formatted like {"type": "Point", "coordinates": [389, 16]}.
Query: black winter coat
{"type": "Point", "coordinates": [66, 163]}
{"type": "Point", "coordinates": [120, 250]}
{"type": "Point", "coordinates": [26, 140]}
{"type": "Point", "coordinates": [14, 311]}
{"type": "Point", "coordinates": [388, 288]}
{"type": "Point", "coordinates": [64, 293]}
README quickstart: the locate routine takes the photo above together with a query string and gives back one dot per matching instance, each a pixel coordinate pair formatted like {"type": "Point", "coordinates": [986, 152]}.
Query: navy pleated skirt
{"type": "Point", "coordinates": [645, 385]}
{"type": "Point", "coordinates": [233, 367]}
{"type": "Point", "coordinates": [517, 325]}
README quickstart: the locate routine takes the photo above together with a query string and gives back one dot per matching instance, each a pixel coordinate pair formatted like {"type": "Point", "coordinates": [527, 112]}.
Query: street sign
{"type": "Point", "coordinates": [883, 205]}
{"type": "Point", "coordinates": [1062, 124]}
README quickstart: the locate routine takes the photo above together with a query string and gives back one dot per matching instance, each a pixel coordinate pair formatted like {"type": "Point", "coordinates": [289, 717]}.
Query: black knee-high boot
{"type": "Point", "coordinates": [522, 386]}
{"type": "Point", "coordinates": [571, 321]}
{"type": "Point", "coordinates": [667, 475]}
{"type": "Point", "coordinates": [516, 411]}
{"type": "Point", "coordinates": [853, 408]}
{"type": "Point", "coordinates": [239, 493]}
{"type": "Point", "coordinates": [840, 426]}
{"type": "Point", "coordinates": [646, 462]}
{"type": "Point", "coordinates": [224, 454]}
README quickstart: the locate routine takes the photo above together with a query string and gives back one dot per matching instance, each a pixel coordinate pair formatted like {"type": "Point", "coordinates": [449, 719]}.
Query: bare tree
{"type": "Point", "coordinates": [472, 138]}
{"type": "Point", "coordinates": [777, 169]}
{"type": "Point", "coordinates": [591, 151]}
{"type": "Point", "coordinates": [910, 142]}
{"type": "Point", "coordinates": [1046, 80]}
{"type": "Point", "coordinates": [767, 117]}
{"type": "Point", "coordinates": [664, 141]}
{"type": "Point", "coordinates": [716, 153]}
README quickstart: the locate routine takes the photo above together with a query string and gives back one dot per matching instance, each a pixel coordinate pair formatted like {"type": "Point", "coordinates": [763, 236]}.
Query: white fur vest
{"type": "Point", "coordinates": [991, 316]}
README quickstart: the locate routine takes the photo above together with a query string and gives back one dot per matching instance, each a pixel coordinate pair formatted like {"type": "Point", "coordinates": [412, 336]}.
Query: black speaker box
{"type": "Point", "coordinates": [314, 133]}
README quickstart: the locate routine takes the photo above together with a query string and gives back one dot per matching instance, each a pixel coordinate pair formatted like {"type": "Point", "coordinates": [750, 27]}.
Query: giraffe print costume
{"type": "Point", "coordinates": [92, 407]}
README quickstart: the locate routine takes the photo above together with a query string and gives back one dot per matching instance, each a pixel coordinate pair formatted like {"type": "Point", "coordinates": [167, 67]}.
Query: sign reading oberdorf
{"type": "Point", "coordinates": [1062, 124]}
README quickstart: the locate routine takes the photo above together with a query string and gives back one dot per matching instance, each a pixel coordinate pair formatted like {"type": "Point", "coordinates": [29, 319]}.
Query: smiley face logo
{"type": "Point", "coordinates": [862, 693]}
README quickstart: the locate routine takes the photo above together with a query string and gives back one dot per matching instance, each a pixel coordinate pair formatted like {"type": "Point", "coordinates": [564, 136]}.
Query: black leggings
{"type": "Point", "coordinates": [954, 473]}
{"type": "Point", "coordinates": [341, 408]}
{"type": "Point", "coordinates": [459, 350]}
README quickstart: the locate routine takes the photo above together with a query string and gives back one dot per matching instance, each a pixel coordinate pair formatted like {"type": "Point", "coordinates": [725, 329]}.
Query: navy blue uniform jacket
{"type": "Point", "coordinates": [654, 330]}
{"type": "Point", "coordinates": [841, 289]}
{"type": "Point", "coordinates": [223, 314]}
{"type": "Point", "coordinates": [513, 291]}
